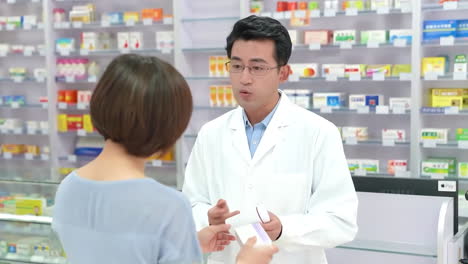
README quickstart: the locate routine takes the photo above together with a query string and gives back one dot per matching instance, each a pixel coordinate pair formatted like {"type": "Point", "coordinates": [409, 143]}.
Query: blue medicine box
{"type": "Point", "coordinates": [435, 29]}
{"type": "Point", "coordinates": [334, 101]}
{"type": "Point", "coordinates": [373, 100]}
{"type": "Point", "coordinates": [462, 29]}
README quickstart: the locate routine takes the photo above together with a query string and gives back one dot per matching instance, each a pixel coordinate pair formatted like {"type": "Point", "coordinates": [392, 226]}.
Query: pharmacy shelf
{"type": "Point", "coordinates": [438, 7]}
{"type": "Point", "coordinates": [437, 111]}
{"type": "Point", "coordinates": [8, 28]}
{"type": "Point", "coordinates": [15, 2]}
{"type": "Point", "coordinates": [209, 19]}
{"type": "Point", "coordinates": [26, 218]}
{"type": "Point", "coordinates": [115, 52]}
{"type": "Point", "coordinates": [310, 79]}
{"type": "Point", "coordinates": [282, 16]}
{"type": "Point", "coordinates": [391, 247]}
{"type": "Point", "coordinates": [25, 106]}
{"type": "Point", "coordinates": [94, 80]}
{"type": "Point", "coordinates": [104, 25]}
{"type": "Point", "coordinates": [81, 133]}
{"type": "Point", "coordinates": [85, 159]}
{"type": "Point", "coordinates": [216, 50]}
{"type": "Point", "coordinates": [334, 47]}
{"type": "Point", "coordinates": [21, 54]}
{"type": "Point", "coordinates": [20, 80]}
{"type": "Point", "coordinates": [23, 157]}
{"type": "Point", "coordinates": [207, 78]}
{"type": "Point", "coordinates": [32, 260]}
{"type": "Point", "coordinates": [345, 110]}
{"type": "Point", "coordinates": [437, 44]}
{"type": "Point", "coordinates": [23, 131]}
{"type": "Point", "coordinates": [446, 77]}
{"type": "Point", "coordinates": [80, 107]}
{"type": "Point", "coordinates": [30, 175]}
{"type": "Point", "coordinates": [377, 143]}
{"type": "Point", "coordinates": [449, 145]}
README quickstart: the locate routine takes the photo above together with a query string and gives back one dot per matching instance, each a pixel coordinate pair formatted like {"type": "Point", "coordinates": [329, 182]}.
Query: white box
{"type": "Point", "coordinates": [308, 70]}
{"type": "Point", "coordinates": [356, 100]}
{"type": "Point", "coordinates": [89, 40]}
{"type": "Point", "coordinates": [293, 36]}
{"type": "Point", "coordinates": [438, 135]}
{"type": "Point", "coordinates": [303, 98]}
{"type": "Point", "coordinates": [333, 100]}
{"type": "Point", "coordinates": [337, 70]}
{"type": "Point", "coordinates": [123, 40]}
{"type": "Point", "coordinates": [360, 133]}
{"type": "Point", "coordinates": [165, 40]}
{"type": "Point", "coordinates": [400, 102]}
{"type": "Point", "coordinates": [136, 40]}
{"type": "Point", "coordinates": [397, 135]}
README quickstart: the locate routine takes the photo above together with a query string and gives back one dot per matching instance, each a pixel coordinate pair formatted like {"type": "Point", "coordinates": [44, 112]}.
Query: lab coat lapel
{"type": "Point", "coordinates": [273, 134]}
{"type": "Point", "coordinates": [238, 135]}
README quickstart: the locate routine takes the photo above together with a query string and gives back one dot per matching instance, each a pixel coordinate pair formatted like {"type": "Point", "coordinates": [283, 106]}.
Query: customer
{"type": "Point", "coordinates": [108, 211]}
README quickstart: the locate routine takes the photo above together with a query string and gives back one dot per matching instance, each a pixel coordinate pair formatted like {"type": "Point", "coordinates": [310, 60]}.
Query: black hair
{"type": "Point", "coordinates": [262, 28]}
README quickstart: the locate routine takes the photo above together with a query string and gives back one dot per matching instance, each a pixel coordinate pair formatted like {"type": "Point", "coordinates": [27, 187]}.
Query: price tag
{"type": "Point", "coordinates": [166, 51]}
{"type": "Point", "coordinates": [278, 15]}
{"type": "Point", "coordinates": [287, 14]}
{"type": "Point", "coordinates": [57, 25]}
{"type": "Point", "coordinates": [105, 23]}
{"type": "Point", "coordinates": [388, 142]}
{"type": "Point", "coordinates": [402, 174]}
{"type": "Point", "coordinates": [294, 77]}
{"type": "Point", "coordinates": [18, 131]}
{"type": "Point", "coordinates": [266, 14]}
{"type": "Point", "coordinates": [429, 143]}
{"type": "Point", "coordinates": [360, 172]}
{"type": "Point", "coordinates": [331, 78]}
{"type": "Point", "coordinates": [35, 1]}
{"type": "Point", "coordinates": [314, 46]}
{"type": "Point", "coordinates": [406, 7]}
{"type": "Point", "coordinates": [447, 41]}
{"type": "Point", "coordinates": [7, 155]}
{"type": "Point", "coordinates": [156, 163]}
{"type": "Point", "coordinates": [459, 76]}
{"type": "Point", "coordinates": [62, 105]}
{"type": "Point", "coordinates": [27, 52]}
{"type": "Point", "coordinates": [463, 144]}
{"type": "Point", "coordinates": [431, 76]}
{"type": "Point", "coordinates": [18, 79]}
{"type": "Point", "coordinates": [437, 176]}
{"type": "Point", "coordinates": [355, 77]}
{"type": "Point", "coordinates": [382, 110]}
{"type": "Point", "coordinates": [4, 131]}
{"type": "Point", "coordinates": [27, 26]}
{"type": "Point", "coordinates": [45, 105]}
{"type": "Point", "coordinates": [72, 158]}
{"type": "Point", "coordinates": [452, 110]}
{"type": "Point", "coordinates": [351, 11]}
{"type": "Point", "coordinates": [130, 23]}
{"type": "Point", "coordinates": [351, 141]}
{"type": "Point", "coordinates": [405, 76]}
{"type": "Point", "coordinates": [378, 76]}
{"type": "Point", "coordinates": [363, 109]}
{"type": "Point", "coordinates": [81, 106]}
{"type": "Point", "coordinates": [82, 133]}
{"type": "Point", "coordinates": [329, 13]}
{"type": "Point", "coordinates": [300, 14]}
{"type": "Point", "coordinates": [346, 45]}
{"type": "Point", "coordinates": [42, 52]}
{"type": "Point", "coordinates": [31, 131]}
{"type": "Point", "coordinates": [77, 24]}
{"type": "Point", "coordinates": [84, 52]}
{"type": "Point", "coordinates": [325, 110]}
{"type": "Point", "coordinates": [3, 53]}
{"type": "Point", "coordinates": [29, 156]}
{"type": "Point", "coordinates": [399, 110]}
{"type": "Point", "coordinates": [44, 157]}
{"type": "Point", "coordinates": [44, 131]}
{"type": "Point", "coordinates": [383, 10]}
{"type": "Point", "coordinates": [168, 21]}
{"type": "Point", "coordinates": [15, 105]}
{"type": "Point", "coordinates": [92, 79]}
{"type": "Point", "coordinates": [400, 42]}
{"type": "Point", "coordinates": [11, 1]}
{"type": "Point", "coordinates": [314, 13]}
{"type": "Point", "coordinates": [147, 21]}
{"type": "Point", "coordinates": [66, 25]}
{"type": "Point", "coordinates": [450, 5]}
{"type": "Point", "coordinates": [64, 52]}
{"type": "Point", "coordinates": [40, 25]}
{"type": "Point", "coordinates": [10, 27]}
{"type": "Point", "coordinates": [70, 79]}
{"type": "Point", "coordinates": [373, 45]}
{"type": "Point", "coordinates": [124, 51]}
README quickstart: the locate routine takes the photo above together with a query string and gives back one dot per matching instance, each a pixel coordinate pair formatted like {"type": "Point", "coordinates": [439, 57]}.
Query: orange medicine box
{"type": "Point", "coordinates": [71, 96]}
{"type": "Point", "coordinates": [74, 122]}
{"type": "Point", "coordinates": [213, 95]}
{"type": "Point", "coordinates": [13, 148]}
{"type": "Point", "coordinates": [156, 14]}
{"type": "Point", "coordinates": [213, 65]}
{"type": "Point", "coordinates": [33, 149]}
{"type": "Point", "coordinates": [220, 96]}
{"type": "Point", "coordinates": [323, 37]}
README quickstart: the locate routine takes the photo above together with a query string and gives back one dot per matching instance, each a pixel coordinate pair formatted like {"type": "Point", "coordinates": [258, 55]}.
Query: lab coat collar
{"type": "Point", "coordinates": [271, 136]}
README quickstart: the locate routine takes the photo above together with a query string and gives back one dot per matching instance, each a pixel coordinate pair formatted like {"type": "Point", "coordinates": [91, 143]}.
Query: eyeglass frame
{"type": "Point", "coordinates": [268, 69]}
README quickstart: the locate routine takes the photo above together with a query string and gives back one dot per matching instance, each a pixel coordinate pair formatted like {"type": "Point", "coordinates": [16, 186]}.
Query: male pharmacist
{"type": "Point", "coordinates": [273, 153]}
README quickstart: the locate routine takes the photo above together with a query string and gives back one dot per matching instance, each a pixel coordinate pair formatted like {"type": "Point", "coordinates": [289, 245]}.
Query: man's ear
{"type": "Point", "coordinates": [285, 71]}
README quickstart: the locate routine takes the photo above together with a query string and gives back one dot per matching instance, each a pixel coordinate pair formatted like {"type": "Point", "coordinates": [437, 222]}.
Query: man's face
{"type": "Point", "coordinates": [252, 91]}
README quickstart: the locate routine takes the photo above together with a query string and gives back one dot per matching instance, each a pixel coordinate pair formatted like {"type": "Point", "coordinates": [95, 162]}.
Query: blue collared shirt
{"type": "Point", "coordinates": [255, 132]}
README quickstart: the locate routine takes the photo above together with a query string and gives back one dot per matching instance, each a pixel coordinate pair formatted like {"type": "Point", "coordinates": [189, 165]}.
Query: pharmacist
{"type": "Point", "coordinates": [273, 153]}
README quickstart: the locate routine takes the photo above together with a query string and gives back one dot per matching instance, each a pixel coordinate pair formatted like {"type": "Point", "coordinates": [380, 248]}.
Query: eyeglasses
{"type": "Point", "coordinates": [257, 70]}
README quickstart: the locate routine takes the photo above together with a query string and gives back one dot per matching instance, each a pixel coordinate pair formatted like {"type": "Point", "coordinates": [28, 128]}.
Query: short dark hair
{"type": "Point", "coordinates": [262, 28]}
{"type": "Point", "coordinates": [142, 103]}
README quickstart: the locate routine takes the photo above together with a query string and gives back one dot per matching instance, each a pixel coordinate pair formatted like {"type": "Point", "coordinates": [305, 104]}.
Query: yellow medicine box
{"type": "Point", "coordinates": [435, 65]}
{"type": "Point", "coordinates": [449, 97]}
{"type": "Point", "coordinates": [135, 16]}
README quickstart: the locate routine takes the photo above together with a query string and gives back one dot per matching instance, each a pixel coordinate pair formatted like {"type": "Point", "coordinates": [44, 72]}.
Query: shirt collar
{"type": "Point", "coordinates": [266, 120]}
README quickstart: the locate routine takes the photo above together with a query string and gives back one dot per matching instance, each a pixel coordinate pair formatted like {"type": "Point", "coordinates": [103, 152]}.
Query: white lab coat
{"type": "Point", "coordinates": [298, 172]}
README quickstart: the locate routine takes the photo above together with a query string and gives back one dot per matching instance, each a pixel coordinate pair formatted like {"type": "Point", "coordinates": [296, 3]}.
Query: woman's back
{"type": "Point", "coordinates": [126, 221]}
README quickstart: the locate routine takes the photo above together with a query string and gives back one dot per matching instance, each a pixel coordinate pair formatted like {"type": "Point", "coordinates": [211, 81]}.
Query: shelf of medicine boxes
{"type": "Point", "coordinates": [458, 76]}
{"type": "Point", "coordinates": [460, 145]}
{"type": "Point", "coordinates": [330, 13]}
{"type": "Point", "coordinates": [26, 27]}
{"type": "Point", "coordinates": [208, 19]}
{"type": "Point", "coordinates": [47, 220]}
{"type": "Point", "coordinates": [166, 22]}
{"type": "Point", "coordinates": [149, 164]}
{"type": "Point", "coordinates": [23, 131]}
{"type": "Point", "coordinates": [25, 53]}
{"type": "Point", "coordinates": [447, 6]}
{"type": "Point", "coordinates": [447, 42]}
{"type": "Point", "coordinates": [329, 110]}
{"type": "Point", "coordinates": [329, 78]}
{"type": "Point", "coordinates": [78, 106]}
{"type": "Point", "coordinates": [24, 157]}
{"type": "Point", "coordinates": [113, 52]}
{"type": "Point", "coordinates": [16, 105]}
{"type": "Point", "coordinates": [31, 175]}
{"type": "Point", "coordinates": [19, 79]}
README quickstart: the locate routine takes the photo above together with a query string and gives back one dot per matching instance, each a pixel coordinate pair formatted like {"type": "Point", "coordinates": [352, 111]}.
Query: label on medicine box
{"type": "Point", "coordinates": [245, 232]}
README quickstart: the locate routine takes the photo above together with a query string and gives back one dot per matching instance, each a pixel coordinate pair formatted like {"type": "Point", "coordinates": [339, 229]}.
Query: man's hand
{"type": "Point", "coordinates": [255, 255]}
{"type": "Point", "coordinates": [274, 227]}
{"type": "Point", "coordinates": [214, 238]}
{"type": "Point", "coordinates": [218, 214]}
